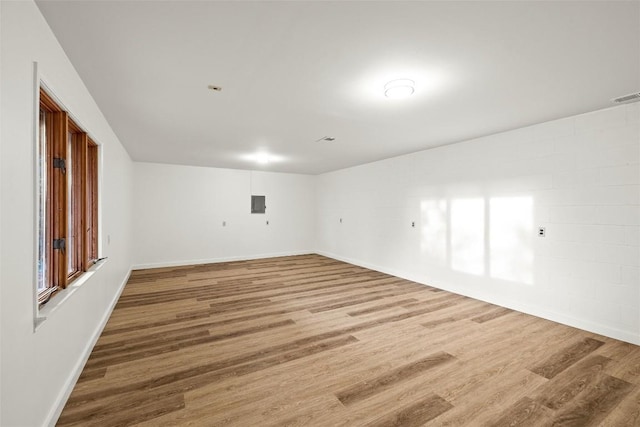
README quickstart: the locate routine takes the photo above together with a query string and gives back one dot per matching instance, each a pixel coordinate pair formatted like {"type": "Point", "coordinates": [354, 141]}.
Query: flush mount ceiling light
{"type": "Point", "coordinates": [262, 158]}
{"type": "Point", "coordinates": [398, 89]}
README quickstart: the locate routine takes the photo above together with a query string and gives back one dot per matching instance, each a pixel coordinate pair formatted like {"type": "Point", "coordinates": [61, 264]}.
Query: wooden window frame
{"type": "Point", "coordinates": [77, 164]}
{"type": "Point", "coordinates": [91, 237]}
{"type": "Point", "coordinates": [70, 169]}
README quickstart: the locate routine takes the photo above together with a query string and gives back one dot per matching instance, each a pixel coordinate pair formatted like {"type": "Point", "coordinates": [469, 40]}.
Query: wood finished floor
{"type": "Point", "coordinates": [308, 340]}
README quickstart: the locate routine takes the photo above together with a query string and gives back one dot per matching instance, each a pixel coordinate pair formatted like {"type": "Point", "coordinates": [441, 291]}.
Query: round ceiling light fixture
{"type": "Point", "coordinates": [262, 158]}
{"type": "Point", "coordinates": [398, 89]}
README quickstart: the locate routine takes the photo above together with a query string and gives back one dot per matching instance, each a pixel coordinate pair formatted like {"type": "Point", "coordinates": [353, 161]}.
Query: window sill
{"type": "Point", "coordinates": [43, 313]}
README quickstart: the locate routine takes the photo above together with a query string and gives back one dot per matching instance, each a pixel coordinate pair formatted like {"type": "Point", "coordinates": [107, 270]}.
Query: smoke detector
{"type": "Point", "coordinates": [625, 99]}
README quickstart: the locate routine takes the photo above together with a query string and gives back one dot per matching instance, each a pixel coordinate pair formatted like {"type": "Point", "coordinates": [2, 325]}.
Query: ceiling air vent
{"type": "Point", "coordinates": [326, 139]}
{"type": "Point", "coordinates": [632, 97]}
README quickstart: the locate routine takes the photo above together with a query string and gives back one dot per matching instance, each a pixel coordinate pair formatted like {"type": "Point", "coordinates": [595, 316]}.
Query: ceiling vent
{"type": "Point", "coordinates": [632, 97]}
{"type": "Point", "coordinates": [326, 139]}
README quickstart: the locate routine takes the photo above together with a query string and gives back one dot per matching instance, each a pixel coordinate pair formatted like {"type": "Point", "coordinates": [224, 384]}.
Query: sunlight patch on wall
{"type": "Point", "coordinates": [433, 242]}
{"type": "Point", "coordinates": [467, 235]}
{"type": "Point", "coordinates": [482, 236]}
{"type": "Point", "coordinates": [511, 238]}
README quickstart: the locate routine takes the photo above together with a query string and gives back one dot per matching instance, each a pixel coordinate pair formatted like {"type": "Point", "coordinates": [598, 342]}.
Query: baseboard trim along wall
{"type": "Point", "coordinates": [217, 260]}
{"type": "Point", "coordinates": [523, 308]}
{"type": "Point", "coordinates": [64, 394]}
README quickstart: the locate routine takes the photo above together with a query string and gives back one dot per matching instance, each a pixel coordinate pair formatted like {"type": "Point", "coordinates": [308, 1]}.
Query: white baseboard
{"type": "Point", "coordinates": [64, 394]}
{"type": "Point", "coordinates": [584, 324]}
{"type": "Point", "coordinates": [216, 260]}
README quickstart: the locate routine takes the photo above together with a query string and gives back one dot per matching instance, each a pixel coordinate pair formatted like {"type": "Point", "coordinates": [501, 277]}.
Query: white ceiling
{"type": "Point", "coordinates": [294, 72]}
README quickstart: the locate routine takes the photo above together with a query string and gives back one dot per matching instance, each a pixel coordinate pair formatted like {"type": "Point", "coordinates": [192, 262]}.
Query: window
{"type": "Point", "coordinates": [68, 191]}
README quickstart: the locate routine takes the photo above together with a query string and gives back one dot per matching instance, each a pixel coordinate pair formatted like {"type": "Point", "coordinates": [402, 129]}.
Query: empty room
{"type": "Point", "coordinates": [319, 213]}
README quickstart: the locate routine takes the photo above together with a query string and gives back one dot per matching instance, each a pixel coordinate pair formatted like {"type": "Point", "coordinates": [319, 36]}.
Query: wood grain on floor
{"type": "Point", "coordinates": [308, 340]}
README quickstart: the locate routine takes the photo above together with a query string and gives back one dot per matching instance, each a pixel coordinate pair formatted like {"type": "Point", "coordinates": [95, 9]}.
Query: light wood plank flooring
{"type": "Point", "coordinates": [308, 340]}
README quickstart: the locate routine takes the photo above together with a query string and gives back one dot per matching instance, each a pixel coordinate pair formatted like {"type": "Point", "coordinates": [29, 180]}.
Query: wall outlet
{"type": "Point", "coordinates": [541, 231]}
{"type": "Point", "coordinates": [267, 222]}
{"type": "Point", "coordinates": [224, 223]}
{"type": "Point", "coordinates": [413, 224]}
{"type": "Point", "coordinates": [340, 220]}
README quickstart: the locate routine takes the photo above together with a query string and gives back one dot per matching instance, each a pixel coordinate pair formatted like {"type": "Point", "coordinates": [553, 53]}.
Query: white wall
{"type": "Point", "coordinates": [578, 177]}
{"type": "Point", "coordinates": [39, 368]}
{"type": "Point", "coordinates": [179, 211]}
{"type": "Point", "coordinates": [1, 150]}
{"type": "Point", "coordinates": [477, 206]}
